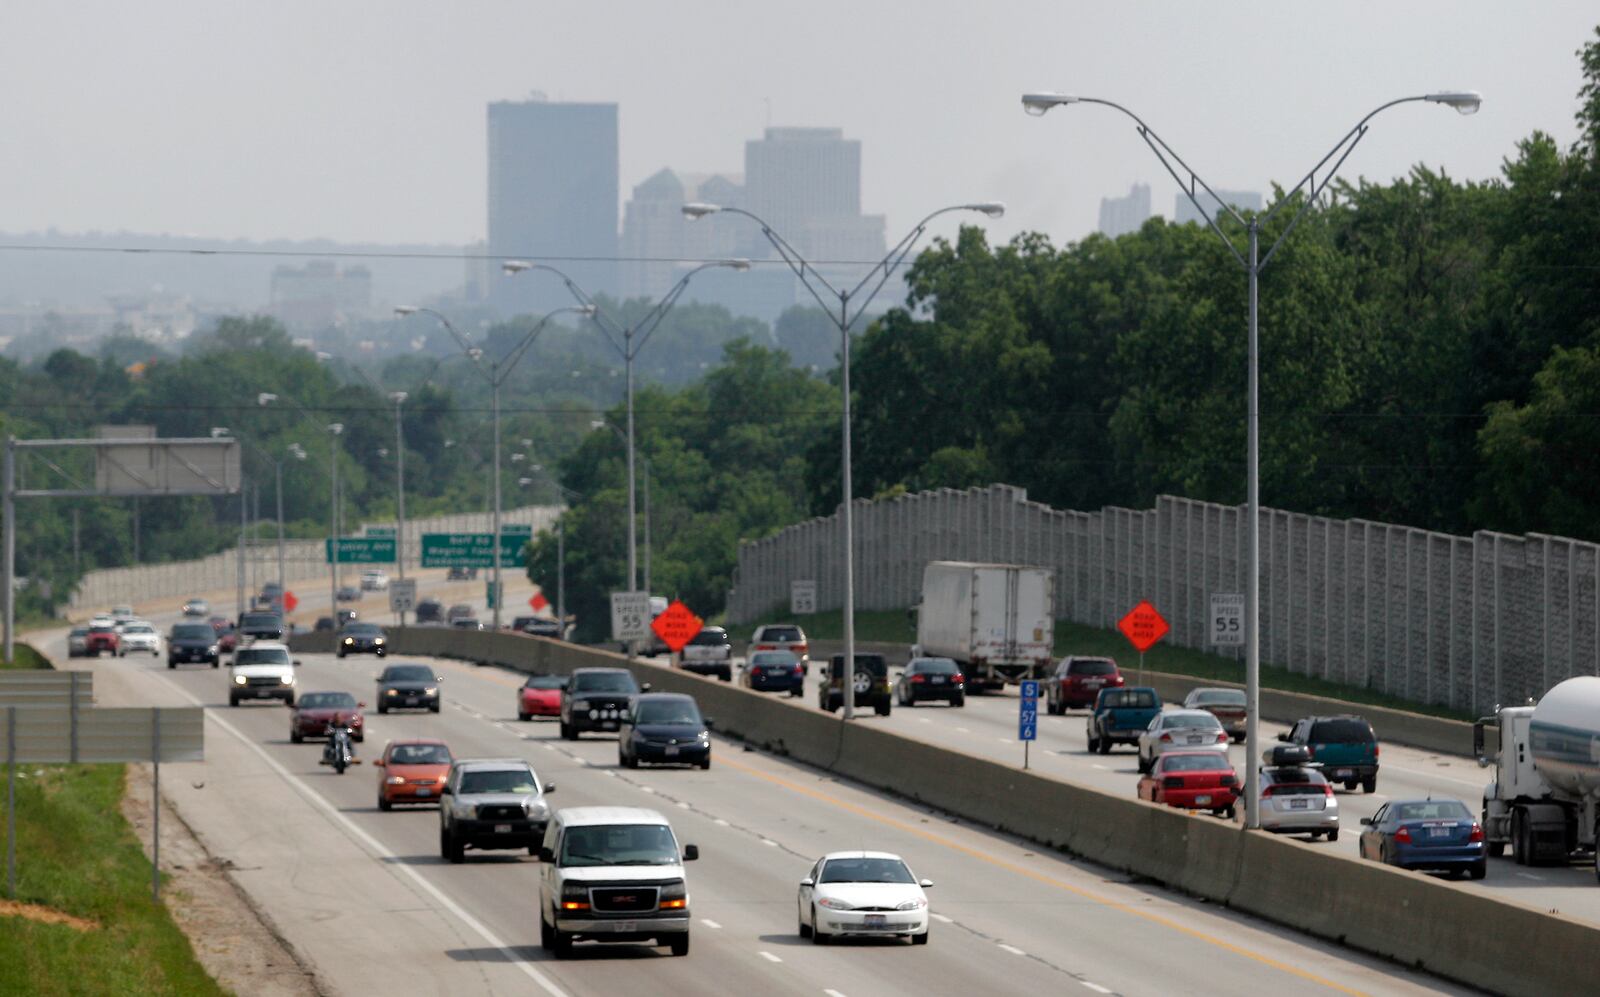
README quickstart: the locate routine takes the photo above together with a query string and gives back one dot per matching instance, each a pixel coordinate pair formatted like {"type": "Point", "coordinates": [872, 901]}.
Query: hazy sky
{"type": "Point", "coordinates": [365, 120]}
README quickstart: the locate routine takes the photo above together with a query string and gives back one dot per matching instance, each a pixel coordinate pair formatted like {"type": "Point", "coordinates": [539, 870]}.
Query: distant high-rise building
{"type": "Point", "coordinates": [319, 295]}
{"type": "Point", "coordinates": [1121, 215]}
{"type": "Point", "coordinates": [1240, 200]}
{"type": "Point", "coordinates": [552, 196]}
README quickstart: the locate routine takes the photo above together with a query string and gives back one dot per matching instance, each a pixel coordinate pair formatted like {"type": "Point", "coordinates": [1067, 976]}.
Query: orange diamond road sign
{"type": "Point", "coordinates": [289, 602]}
{"type": "Point", "coordinates": [676, 626]}
{"type": "Point", "coordinates": [538, 601]}
{"type": "Point", "coordinates": [1143, 626]}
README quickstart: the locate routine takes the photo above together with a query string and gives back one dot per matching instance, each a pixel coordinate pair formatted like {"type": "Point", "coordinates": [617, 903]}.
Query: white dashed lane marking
{"type": "Point", "coordinates": [942, 919]}
{"type": "Point", "coordinates": [1012, 949]}
{"type": "Point", "coordinates": [709, 923]}
{"type": "Point", "coordinates": [769, 957]}
{"type": "Point", "coordinates": [1097, 988]}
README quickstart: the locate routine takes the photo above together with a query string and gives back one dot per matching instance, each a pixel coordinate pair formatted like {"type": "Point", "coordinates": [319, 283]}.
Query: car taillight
{"type": "Point", "coordinates": [1167, 738]}
{"type": "Point", "coordinates": [1222, 737]}
{"type": "Point", "coordinates": [1377, 749]}
{"type": "Point", "coordinates": [1267, 791]}
{"type": "Point", "coordinates": [1114, 680]}
{"type": "Point", "coordinates": [919, 678]}
{"type": "Point", "coordinates": [1403, 835]}
{"type": "Point", "coordinates": [1173, 782]}
{"type": "Point", "coordinates": [799, 649]}
{"type": "Point", "coordinates": [958, 677]}
{"type": "Point", "coordinates": [1476, 834]}
{"type": "Point", "coordinates": [1327, 790]}
{"type": "Point", "coordinates": [763, 647]}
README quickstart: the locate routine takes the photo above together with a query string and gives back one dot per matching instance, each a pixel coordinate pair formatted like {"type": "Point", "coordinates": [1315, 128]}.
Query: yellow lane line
{"type": "Point", "coordinates": [1034, 874]}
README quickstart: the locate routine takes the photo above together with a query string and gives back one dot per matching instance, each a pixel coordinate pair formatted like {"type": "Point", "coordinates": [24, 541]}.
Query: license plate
{"type": "Point", "coordinates": [875, 921]}
{"type": "Point", "coordinates": [1093, 683]}
{"type": "Point", "coordinates": [1343, 774]}
{"type": "Point", "coordinates": [502, 829]}
{"type": "Point", "coordinates": [938, 680]}
{"type": "Point", "coordinates": [609, 725]}
{"type": "Point", "coordinates": [1202, 800]}
{"type": "Point", "coordinates": [411, 701]}
{"type": "Point", "coordinates": [1438, 832]}
{"type": "Point", "coordinates": [1299, 804]}
{"type": "Point", "coordinates": [1194, 740]}
{"type": "Point", "coordinates": [625, 926]}
{"type": "Point", "coordinates": [671, 751]}
{"type": "Point", "coordinates": [424, 792]}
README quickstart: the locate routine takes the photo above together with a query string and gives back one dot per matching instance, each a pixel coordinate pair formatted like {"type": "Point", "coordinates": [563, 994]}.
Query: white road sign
{"type": "Point", "coordinates": [402, 595]}
{"type": "Point", "coordinates": [1227, 619]}
{"type": "Point", "coordinates": [630, 616]}
{"type": "Point", "coordinates": [803, 597]}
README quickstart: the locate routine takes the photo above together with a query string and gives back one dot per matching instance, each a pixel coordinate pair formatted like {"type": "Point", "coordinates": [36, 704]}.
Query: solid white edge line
{"type": "Point", "coordinates": [375, 846]}
{"type": "Point", "coordinates": [1011, 948]}
{"type": "Point", "coordinates": [941, 918]}
{"type": "Point", "coordinates": [768, 956]}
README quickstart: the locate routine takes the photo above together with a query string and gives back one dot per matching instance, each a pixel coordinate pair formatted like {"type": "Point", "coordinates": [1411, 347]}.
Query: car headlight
{"type": "Point", "coordinates": [238, 680]}
{"type": "Point", "coordinates": [396, 780]}
{"type": "Point", "coordinates": [704, 735]}
{"type": "Point", "coordinates": [287, 680]}
{"type": "Point", "coordinates": [391, 692]}
{"type": "Point", "coordinates": [912, 905]}
{"type": "Point", "coordinates": [834, 904]}
{"type": "Point", "coordinates": [349, 640]}
{"type": "Point", "coordinates": [377, 640]}
{"type": "Point", "coordinates": [212, 649]}
{"type": "Point", "coordinates": [431, 690]}
{"type": "Point", "coordinates": [538, 808]}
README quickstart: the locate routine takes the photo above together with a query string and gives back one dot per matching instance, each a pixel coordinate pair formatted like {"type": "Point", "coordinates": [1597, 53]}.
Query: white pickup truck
{"type": "Point", "coordinates": [262, 670]}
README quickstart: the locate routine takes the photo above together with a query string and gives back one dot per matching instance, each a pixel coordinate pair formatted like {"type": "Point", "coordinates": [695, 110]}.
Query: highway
{"type": "Point", "coordinates": [987, 726]}
{"type": "Point", "coordinates": [365, 899]}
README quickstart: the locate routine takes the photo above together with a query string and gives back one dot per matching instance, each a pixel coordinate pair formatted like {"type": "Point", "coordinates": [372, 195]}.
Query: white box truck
{"type": "Point", "coordinates": [997, 621]}
{"type": "Point", "coordinates": [1544, 801]}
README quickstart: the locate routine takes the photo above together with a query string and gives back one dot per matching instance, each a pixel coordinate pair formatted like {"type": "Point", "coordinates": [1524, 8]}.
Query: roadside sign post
{"type": "Point", "coordinates": [803, 597]}
{"type": "Point", "coordinates": [630, 618]}
{"type": "Point", "coordinates": [1028, 717]}
{"type": "Point", "coordinates": [1143, 626]}
{"type": "Point", "coordinates": [402, 595]}
{"type": "Point", "coordinates": [1227, 619]}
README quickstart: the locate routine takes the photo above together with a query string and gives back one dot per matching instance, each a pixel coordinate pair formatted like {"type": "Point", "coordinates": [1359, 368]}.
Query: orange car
{"type": "Point", "coordinates": [411, 771]}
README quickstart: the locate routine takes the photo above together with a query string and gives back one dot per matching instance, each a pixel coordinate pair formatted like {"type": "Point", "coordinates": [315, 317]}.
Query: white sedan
{"type": "Point", "coordinates": [863, 893]}
{"type": "Point", "coordinates": [1188, 730]}
{"type": "Point", "coordinates": [139, 636]}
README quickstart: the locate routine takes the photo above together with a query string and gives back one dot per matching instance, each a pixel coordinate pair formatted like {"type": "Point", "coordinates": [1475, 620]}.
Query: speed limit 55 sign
{"type": "Point", "coordinates": [1227, 619]}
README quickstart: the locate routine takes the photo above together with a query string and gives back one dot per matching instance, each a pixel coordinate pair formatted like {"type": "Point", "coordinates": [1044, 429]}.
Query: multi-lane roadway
{"type": "Point", "coordinates": [366, 900]}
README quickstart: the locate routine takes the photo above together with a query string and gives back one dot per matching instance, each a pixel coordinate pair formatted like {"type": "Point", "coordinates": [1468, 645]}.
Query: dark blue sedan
{"type": "Point", "coordinates": [775, 671]}
{"type": "Point", "coordinates": [1425, 834]}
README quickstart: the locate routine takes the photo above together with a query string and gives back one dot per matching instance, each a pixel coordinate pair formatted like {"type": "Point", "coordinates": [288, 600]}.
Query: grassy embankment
{"type": "Point", "coordinates": [1075, 638]}
{"type": "Point", "coordinates": [83, 921]}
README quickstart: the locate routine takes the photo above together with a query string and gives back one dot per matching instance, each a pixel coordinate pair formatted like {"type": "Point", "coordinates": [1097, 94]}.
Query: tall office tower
{"type": "Point", "coordinates": [1121, 215]}
{"type": "Point", "coordinates": [1240, 200]}
{"type": "Point", "coordinates": [552, 197]}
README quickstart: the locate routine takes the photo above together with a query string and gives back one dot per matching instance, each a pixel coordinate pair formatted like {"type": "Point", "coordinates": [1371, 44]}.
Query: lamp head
{"type": "Point", "coordinates": [596, 423]}
{"type": "Point", "coordinates": [218, 432]}
{"type": "Point", "coordinates": [336, 428]}
{"type": "Point", "coordinates": [266, 398]}
{"type": "Point", "coordinates": [513, 267]}
{"type": "Point", "coordinates": [740, 264]}
{"type": "Point", "coordinates": [475, 353]}
{"type": "Point", "coordinates": [994, 209]}
{"type": "Point", "coordinates": [524, 482]}
{"type": "Point", "coordinates": [585, 310]}
{"type": "Point", "coordinates": [398, 397]}
{"type": "Point", "coordinates": [383, 451]}
{"type": "Point", "coordinates": [1038, 103]}
{"type": "Point", "coordinates": [405, 309]}
{"type": "Point", "coordinates": [699, 209]}
{"type": "Point", "coordinates": [1464, 101]}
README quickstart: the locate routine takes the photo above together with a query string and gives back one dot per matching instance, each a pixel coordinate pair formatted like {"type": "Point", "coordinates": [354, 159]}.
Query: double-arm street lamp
{"type": "Point", "coordinates": [859, 296]}
{"type": "Point", "coordinates": [495, 373]}
{"type": "Point", "coordinates": [649, 472]}
{"type": "Point", "coordinates": [561, 542]}
{"type": "Point", "coordinates": [399, 399]}
{"type": "Point", "coordinates": [333, 429]}
{"type": "Point", "coordinates": [1312, 185]}
{"type": "Point", "coordinates": [292, 451]}
{"type": "Point", "coordinates": [627, 341]}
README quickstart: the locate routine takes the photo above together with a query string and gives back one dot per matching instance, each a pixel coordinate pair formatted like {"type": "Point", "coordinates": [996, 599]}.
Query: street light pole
{"type": "Point", "coordinates": [400, 491]}
{"type": "Point", "coordinates": [1465, 102]}
{"type": "Point", "coordinates": [641, 329]}
{"type": "Point", "coordinates": [495, 373]}
{"type": "Point", "coordinates": [808, 275]}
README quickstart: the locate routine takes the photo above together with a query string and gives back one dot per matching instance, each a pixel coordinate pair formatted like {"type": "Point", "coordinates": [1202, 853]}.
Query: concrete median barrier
{"type": "Point", "coordinates": [1419, 921]}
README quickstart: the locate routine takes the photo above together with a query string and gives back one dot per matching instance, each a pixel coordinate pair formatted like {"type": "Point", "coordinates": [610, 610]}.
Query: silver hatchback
{"type": "Point", "coordinates": [1298, 801]}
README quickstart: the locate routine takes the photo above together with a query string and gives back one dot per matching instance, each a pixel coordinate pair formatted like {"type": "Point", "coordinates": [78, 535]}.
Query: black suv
{"type": "Point", "coordinates": [192, 642]}
{"type": "Point", "coordinates": [870, 679]}
{"type": "Point", "coordinates": [596, 699]}
{"type": "Point", "coordinates": [260, 626]}
{"type": "Point", "coordinates": [430, 611]}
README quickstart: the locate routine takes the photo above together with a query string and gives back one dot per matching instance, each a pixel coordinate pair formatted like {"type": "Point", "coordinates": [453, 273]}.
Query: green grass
{"type": "Point", "coordinates": [1076, 638]}
{"type": "Point", "coordinates": [77, 855]}
{"type": "Point", "coordinates": [25, 656]}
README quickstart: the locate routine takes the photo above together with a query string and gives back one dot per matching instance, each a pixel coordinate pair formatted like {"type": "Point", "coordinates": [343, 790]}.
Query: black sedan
{"type": "Point", "coordinates": [362, 638]}
{"type": "Point", "coordinates": [192, 642]}
{"type": "Point", "coordinates": [775, 671]}
{"type": "Point", "coordinates": [931, 678]}
{"type": "Point", "coordinates": [667, 728]}
{"type": "Point", "coordinates": [408, 687]}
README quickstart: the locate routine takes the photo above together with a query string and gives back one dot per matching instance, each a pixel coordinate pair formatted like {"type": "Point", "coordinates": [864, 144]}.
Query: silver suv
{"type": "Point", "coordinates": [490, 803]}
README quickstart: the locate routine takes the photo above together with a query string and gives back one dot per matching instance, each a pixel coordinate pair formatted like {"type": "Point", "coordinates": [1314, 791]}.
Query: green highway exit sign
{"type": "Point", "coordinates": [361, 550]}
{"type": "Point", "coordinates": [473, 550]}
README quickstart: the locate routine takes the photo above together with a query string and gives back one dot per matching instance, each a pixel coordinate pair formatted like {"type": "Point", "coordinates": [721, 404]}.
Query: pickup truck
{"type": "Point", "coordinates": [1121, 715]}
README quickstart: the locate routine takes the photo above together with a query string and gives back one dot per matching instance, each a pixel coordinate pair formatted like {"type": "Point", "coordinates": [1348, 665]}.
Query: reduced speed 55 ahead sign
{"type": "Point", "coordinates": [1227, 619]}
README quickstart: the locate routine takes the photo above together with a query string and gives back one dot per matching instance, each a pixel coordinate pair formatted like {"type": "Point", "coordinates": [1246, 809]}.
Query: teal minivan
{"type": "Point", "coordinates": [1343, 747]}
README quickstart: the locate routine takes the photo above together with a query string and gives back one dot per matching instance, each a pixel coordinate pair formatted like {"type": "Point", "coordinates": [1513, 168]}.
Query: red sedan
{"type": "Point", "coordinates": [314, 711]}
{"type": "Point", "coordinates": [100, 639]}
{"type": "Point", "coordinates": [412, 771]}
{"type": "Point", "coordinates": [540, 696]}
{"type": "Point", "coordinates": [1192, 780]}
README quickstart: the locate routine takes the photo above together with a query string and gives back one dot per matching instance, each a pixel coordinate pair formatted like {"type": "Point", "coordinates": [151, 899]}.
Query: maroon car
{"type": "Point", "coordinates": [1077, 681]}
{"type": "Point", "coordinates": [315, 711]}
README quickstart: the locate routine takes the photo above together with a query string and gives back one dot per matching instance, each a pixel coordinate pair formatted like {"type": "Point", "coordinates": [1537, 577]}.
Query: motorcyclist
{"type": "Point", "coordinates": [339, 750]}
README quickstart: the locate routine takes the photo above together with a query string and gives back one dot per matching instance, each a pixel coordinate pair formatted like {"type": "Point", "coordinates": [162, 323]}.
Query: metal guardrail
{"type": "Point", "coordinates": [46, 688]}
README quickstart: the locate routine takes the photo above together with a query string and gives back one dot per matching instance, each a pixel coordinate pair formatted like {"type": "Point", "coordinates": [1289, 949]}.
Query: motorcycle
{"type": "Point", "coordinates": [338, 751]}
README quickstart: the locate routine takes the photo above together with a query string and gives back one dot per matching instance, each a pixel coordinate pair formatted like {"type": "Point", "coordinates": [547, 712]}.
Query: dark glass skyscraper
{"type": "Point", "coordinates": [552, 198]}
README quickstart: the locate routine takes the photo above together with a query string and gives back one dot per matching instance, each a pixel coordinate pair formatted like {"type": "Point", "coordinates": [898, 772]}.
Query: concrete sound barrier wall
{"type": "Point", "coordinates": [1434, 925]}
